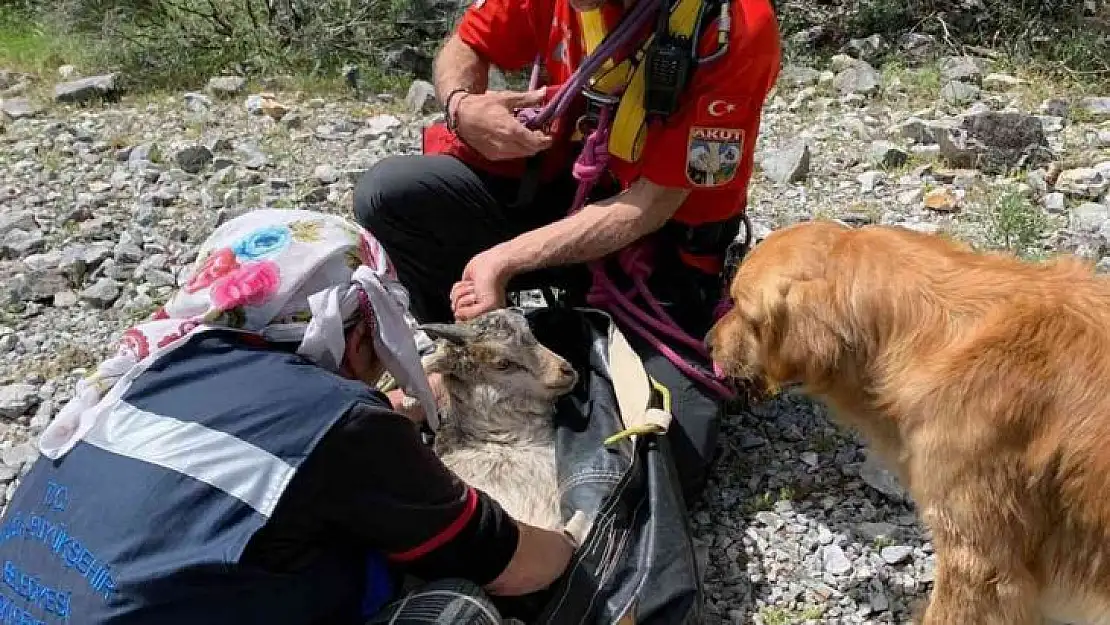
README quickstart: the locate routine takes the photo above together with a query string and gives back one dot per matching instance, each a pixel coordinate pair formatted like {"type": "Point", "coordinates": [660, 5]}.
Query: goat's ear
{"type": "Point", "coordinates": [451, 332]}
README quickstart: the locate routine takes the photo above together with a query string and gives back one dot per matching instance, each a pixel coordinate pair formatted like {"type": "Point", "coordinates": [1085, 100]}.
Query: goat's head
{"type": "Point", "coordinates": [498, 350]}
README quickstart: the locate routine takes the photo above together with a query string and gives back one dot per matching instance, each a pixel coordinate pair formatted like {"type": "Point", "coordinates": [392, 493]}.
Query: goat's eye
{"type": "Point", "coordinates": [502, 364]}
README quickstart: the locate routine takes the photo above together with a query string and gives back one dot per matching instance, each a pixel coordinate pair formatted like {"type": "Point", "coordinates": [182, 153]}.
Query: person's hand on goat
{"type": "Point", "coordinates": [482, 286]}
{"type": "Point", "coordinates": [487, 122]}
{"type": "Point", "coordinates": [412, 409]}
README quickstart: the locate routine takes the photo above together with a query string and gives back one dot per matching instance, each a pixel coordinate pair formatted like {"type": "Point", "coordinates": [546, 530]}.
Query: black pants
{"type": "Point", "coordinates": [432, 214]}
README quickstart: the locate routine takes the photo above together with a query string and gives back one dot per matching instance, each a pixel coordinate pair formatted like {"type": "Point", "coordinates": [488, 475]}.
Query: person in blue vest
{"type": "Point", "coordinates": [233, 463]}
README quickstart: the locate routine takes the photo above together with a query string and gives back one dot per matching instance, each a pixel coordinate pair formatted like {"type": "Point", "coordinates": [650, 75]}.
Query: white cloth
{"type": "Point", "coordinates": [284, 275]}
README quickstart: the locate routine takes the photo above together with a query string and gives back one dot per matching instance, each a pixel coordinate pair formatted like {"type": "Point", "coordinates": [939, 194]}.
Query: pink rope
{"type": "Point", "coordinates": [635, 262]}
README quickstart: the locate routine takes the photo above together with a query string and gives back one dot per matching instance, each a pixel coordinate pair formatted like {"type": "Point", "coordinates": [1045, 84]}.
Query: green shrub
{"type": "Point", "coordinates": [175, 43]}
{"type": "Point", "coordinates": [1062, 36]}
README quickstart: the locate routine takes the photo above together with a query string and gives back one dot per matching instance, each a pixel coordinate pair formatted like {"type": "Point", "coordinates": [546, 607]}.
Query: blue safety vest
{"type": "Point", "coordinates": [146, 519]}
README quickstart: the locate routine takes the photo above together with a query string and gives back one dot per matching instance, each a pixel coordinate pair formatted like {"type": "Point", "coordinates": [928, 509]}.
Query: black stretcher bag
{"type": "Point", "coordinates": [637, 564]}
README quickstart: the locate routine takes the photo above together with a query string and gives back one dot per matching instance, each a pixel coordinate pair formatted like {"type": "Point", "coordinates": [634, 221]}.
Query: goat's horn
{"type": "Point", "coordinates": [451, 332]}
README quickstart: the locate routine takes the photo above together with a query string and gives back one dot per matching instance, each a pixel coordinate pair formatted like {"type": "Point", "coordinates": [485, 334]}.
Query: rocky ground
{"type": "Point", "coordinates": [103, 204]}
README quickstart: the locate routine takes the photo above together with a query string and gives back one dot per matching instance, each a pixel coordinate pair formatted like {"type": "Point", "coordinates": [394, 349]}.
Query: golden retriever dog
{"type": "Point", "coordinates": [982, 380]}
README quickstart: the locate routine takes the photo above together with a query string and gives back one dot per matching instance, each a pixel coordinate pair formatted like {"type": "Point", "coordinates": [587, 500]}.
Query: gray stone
{"type": "Point", "coordinates": [251, 155]}
{"type": "Point", "coordinates": [87, 89]}
{"type": "Point", "coordinates": [1096, 107]}
{"type": "Point", "coordinates": [226, 86]}
{"type": "Point", "coordinates": [163, 196]}
{"type": "Point", "coordinates": [16, 220]}
{"type": "Point", "coordinates": [868, 48]}
{"type": "Point", "coordinates": [19, 455]}
{"type": "Point", "coordinates": [1089, 217]}
{"type": "Point", "coordinates": [918, 46]}
{"type": "Point", "coordinates": [1056, 107]}
{"type": "Point", "coordinates": [1001, 82]}
{"type": "Point", "coordinates": [102, 294]}
{"type": "Point", "coordinates": [868, 180]}
{"type": "Point", "coordinates": [808, 37]}
{"type": "Point", "coordinates": [197, 102]}
{"type": "Point", "coordinates": [142, 155]}
{"type": "Point", "coordinates": [193, 158]}
{"type": "Point", "coordinates": [961, 68]}
{"type": "Point", "coordinates": [799, 76]}
{"type": "Point", "coordinates": [859, 78]}
{"type": "Point", "coordinates": [17, 400]}
{"type": "Point", "coordinates": [43, 285]}
{"type": "Point", "coordinates": [959, 93]}
{"type": "Point", "coordinates": [326, 174]}
{"type": "Point", "coordinates": [127, 253]}
{"type": "Point", "coordinates": [18, 243]}
{"type": "Point", "coordinates": [887, 155]}
{"type": "Point", "coordinates": [877, 531]}
{"type": "Point", "coordinates": [65, 299]}
{"type": "Point", "coordinates": [382, 125]}
{"type": "Point", "coordinates": [421, 97]}
{"type": "Point", "coordinates": [996, 142]}
{"type": "Point", "coordinates": [1083, 182]}
{"type": "Point", "coordinates": [896, 554]}
{"type": "Point", "coordinates": [1055, 202]}
{"type": "Point", "coordinates": [787, 165]}
{"type": "Point", "coordinates": [916, 130]}
{"type": "Point", "coordinates": [773, 521]}
{"type": "Point", "coordinates": [834, 560]}
{"type": "Point", "coordinates": [20, 108]}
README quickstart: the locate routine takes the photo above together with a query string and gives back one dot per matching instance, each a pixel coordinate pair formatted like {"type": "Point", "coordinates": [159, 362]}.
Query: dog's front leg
{"type": "Point", "coordinates": [970, 590]}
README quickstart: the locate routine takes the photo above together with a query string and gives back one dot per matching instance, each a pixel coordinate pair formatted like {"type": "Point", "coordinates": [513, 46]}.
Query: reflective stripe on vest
{"type": "Point", "coordinates": [252, 475]}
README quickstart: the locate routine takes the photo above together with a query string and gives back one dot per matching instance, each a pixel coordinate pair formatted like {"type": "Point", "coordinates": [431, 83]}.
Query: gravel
{"type": "Point", "coordinates": [105, 202]}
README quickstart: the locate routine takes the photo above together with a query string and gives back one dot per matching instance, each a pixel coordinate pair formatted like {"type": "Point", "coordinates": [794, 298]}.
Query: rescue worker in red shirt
{"type": "Point", "coordinates": [484, 209]}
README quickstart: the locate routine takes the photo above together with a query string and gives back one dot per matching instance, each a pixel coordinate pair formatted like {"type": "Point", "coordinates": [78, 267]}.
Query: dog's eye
{"type": "Point", "coordinates": [502, 364]}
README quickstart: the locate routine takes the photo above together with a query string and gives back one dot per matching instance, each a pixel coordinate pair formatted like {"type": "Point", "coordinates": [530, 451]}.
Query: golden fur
{"type": "Point", "coordinates": [982, 380]}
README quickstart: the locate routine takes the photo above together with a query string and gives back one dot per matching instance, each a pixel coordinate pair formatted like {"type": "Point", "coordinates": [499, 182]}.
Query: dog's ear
{"type": "Point", "coordinates": [803, 342]}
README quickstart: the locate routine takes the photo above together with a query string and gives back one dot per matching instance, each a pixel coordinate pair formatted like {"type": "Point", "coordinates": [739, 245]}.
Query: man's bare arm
{"type": "Point", "coordinates": [597, 230]}
{"type": "Point", "coordinates": [458, 66]}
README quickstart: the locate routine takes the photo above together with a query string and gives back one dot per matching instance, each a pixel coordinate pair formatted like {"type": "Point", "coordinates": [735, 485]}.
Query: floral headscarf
{"type": "Point", "coordinates": [284, 275]}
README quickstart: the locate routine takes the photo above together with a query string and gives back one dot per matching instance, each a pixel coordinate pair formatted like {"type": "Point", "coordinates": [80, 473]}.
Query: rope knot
{"type": "Point", "coordinates": [594, 157]}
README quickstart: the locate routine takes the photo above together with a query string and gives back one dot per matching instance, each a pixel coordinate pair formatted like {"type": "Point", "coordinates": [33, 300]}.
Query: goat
{"type": "Point", "coordinates": [496, 431]}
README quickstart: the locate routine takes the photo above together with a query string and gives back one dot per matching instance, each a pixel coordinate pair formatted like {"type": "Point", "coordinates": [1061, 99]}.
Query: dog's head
{"type": "Point", "coordinates": [783, 325]}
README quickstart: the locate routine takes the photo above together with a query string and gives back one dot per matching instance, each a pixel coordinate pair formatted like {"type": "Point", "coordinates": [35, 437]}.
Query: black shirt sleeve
{"type": "Point", "coordinates": [372, 481]}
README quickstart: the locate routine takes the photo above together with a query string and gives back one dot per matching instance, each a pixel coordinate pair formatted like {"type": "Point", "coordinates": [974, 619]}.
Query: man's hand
{"type": "Point", "coordinates": [482, 286]}
{"type": "Point", "coordinates": [487, 122]}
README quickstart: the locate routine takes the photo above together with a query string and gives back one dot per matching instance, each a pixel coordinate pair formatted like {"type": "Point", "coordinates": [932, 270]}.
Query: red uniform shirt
{"type": "Point", "coordinates": [707, 145]}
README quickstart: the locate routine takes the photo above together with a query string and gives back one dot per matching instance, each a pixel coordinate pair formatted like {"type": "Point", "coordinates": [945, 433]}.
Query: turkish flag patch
{"type": "Point", "coordinates": [722, 110]}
